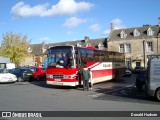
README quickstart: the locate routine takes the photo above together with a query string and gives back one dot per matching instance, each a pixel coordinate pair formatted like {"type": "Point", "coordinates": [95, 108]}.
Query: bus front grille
{"type": "Point", "coordinates": [57, 76]}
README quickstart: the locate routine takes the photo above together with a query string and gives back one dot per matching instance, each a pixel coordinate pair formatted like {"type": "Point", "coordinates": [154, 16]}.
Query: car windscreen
{"type": "Point", "coordinates": [26, 70]}
{"type": "Point", "coordinates": [33, 69]}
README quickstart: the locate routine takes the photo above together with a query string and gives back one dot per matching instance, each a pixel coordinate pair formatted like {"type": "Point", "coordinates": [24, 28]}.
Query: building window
{"type": "Point", "coordinates": [43, 50]}
{"type": "Point", "coordinates": [121, 48]}
{"type": "Point", "coordinates": [136, 33]}
{"type": "Point", "coordinates": [149, 47]}
{"type": "Point", "coordinates": [150, 32]}
{"type": "Point", "coordinates": [128, 48]}
{"type": "Point", "coordinates": [88, 44]}
{"type": "Point", "coordinates": [125, 48]}
{"type": "Point", "coordinates": [100, 46]}
{"type": "Point", "coordinates": [128, 62]}
{"type": "Point", "coordinates": [78, 45]}
{"type": "Point", "coordinates": [123, 34]}
{"type": "Point", "coordinates": [29, 50]}
{"type": "Point", "coordinates": [138, 64]}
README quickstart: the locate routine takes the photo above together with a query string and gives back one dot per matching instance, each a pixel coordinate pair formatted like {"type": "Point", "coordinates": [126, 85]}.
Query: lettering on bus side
{"type": "Point", "coordinates": [106, 65]}
{"type": "Point", "coordinates": [118, 65]}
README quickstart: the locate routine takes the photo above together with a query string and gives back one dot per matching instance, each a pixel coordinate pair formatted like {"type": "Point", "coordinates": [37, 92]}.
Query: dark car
{"type": "Point", "coordinates": [141, 79]}
{"type": "Point", "coordinates": [23, 74]}
{"type": "Point", "coordinates": [138, 69]}
{"type": "Point", "coordinates": [128, 73]}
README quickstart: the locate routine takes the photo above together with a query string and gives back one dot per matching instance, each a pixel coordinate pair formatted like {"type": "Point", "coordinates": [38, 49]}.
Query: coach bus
{"type": "Point", "coordinates": [64, 62]}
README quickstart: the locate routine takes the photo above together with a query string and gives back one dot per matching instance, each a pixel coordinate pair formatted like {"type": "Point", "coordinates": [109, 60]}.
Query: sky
{"type": "Point", "coordinates": [53, 21]}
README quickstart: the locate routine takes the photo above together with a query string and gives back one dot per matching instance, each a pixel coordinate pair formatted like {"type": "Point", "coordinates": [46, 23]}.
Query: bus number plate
{"type": "Point", "coordinates": [58, 80]}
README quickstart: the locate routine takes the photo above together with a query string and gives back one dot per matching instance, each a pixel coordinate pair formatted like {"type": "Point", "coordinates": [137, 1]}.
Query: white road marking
{"type": "Point", "coordinates": [103, 93]}
{"type": "Point", "coordinates": [124, 92]}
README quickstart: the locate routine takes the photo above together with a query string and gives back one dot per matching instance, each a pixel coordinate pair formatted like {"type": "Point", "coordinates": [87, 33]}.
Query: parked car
{"type": "Point", "coordinates": [141, 79]}
{"type": "Point", "coordinates": [138, 69]}
{"type": "Point", "coordinates": [7, 77]}
{"type": "Point", "coordinates": [39, 73]}
{"type": "Point", "coordinates": [128, 73]}
{"type": "Point", "coordinates": [23, 74]}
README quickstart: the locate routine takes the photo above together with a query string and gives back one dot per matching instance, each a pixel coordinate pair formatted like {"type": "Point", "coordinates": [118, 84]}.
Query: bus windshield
{"type": "Point", "coordinates": [60, 56]}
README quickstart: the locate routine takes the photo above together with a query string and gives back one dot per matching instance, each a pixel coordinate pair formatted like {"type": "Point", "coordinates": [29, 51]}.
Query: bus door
{"type": "Point", "coordinates": [79, 64]}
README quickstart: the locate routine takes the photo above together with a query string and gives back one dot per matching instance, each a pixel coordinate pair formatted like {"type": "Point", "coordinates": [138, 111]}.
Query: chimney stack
{"type": "Point", "coordinates": [111, 25]}
{"type": "Point", "coordinates": [86, 38]}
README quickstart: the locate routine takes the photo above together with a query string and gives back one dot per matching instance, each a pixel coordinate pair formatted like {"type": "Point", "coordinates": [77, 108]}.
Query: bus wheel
{"type": "Point", "coordinates": [116, 76]}
{"type": "Point", "coordinates": [157, 95]}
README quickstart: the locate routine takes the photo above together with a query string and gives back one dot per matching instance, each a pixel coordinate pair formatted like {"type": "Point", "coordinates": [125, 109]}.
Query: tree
{"type": "Point", "coordinates": [15, 47]}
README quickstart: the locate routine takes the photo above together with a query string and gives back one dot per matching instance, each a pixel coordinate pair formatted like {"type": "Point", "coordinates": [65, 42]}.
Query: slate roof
{"type": "Point", "coordinates": [115, 34]}
{"type": "Point", "coordinates": [37, 48]}
{"type": "Point", "coordinates": [93, 42]}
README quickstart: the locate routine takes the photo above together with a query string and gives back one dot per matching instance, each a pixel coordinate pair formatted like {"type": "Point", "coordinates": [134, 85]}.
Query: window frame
{"type": "Point", "coordinates": [150, 32]}
{"type": "Point", "coordinates": [120, 48]}
{"type": "Point", "coordinates": [136, 33]}
{"type": "Point", "coordinates": [127, 49]}
{"type": "Point", "coordinates": [150, 46]}
{"type": "Point", "coordinates": [123, 34]}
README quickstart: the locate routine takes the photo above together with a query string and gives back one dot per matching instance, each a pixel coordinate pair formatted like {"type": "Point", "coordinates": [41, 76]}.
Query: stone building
{"type": "Point", "coordinates": [136, 43]}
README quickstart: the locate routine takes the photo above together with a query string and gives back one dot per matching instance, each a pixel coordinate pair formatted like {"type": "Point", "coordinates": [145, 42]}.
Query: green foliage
{"type": "Point", "coordinates": [15, 47]}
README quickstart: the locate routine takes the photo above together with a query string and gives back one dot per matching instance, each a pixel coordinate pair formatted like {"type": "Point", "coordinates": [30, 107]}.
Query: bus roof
{"type": "Point", "coordinates": [87, 47]}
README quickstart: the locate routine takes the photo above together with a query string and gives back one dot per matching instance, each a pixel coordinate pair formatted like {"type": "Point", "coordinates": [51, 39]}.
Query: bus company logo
{"type": "Point", "coordinates": [6, 114]}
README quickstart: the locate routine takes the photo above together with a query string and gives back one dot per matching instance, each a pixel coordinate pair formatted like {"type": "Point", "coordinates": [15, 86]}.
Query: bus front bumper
{"type": "Point", "coordinates": [62, 83]}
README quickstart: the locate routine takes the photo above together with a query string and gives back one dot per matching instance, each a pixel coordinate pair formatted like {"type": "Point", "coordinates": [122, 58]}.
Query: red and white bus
{"type": "Point", "coordinates": [64, 62]}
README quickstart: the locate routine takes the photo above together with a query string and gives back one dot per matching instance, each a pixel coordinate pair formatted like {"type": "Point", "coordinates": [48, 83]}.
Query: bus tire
{"type": "Point", "coordinates": [157, 95]}
{"type": "Point", "coordinates": [116, 76]}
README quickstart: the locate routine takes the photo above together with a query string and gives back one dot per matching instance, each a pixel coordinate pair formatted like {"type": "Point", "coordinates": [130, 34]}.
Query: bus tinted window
{"type": "Point", "coordinates": [60, 55]}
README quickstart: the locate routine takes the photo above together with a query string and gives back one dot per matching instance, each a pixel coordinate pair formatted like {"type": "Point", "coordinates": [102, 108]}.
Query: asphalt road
{"type": "Point", "coordinates": [118, 95]}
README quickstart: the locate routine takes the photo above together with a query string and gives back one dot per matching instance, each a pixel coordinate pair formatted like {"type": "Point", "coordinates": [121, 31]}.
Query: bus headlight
{"type": "Point", "coordinates": [49, 76]}
{"type": "Point", "coordinates": [67, 76]}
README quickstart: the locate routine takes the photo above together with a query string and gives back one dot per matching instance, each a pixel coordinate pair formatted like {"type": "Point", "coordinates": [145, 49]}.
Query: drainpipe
{"type": "Point", "coordinates": [144, 53]}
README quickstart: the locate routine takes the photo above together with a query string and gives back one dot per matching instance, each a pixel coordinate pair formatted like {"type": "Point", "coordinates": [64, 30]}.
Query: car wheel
{"type": "Point", "coordinates": [19, 79]}
{"type": "Point", "coordinates": [157, 95]}
{"type": "Point", "coordinates": [31, 79]}
{"type": "Point", "coordinates": [37, 78]}
{"type": "Point", "coordinates": [139, 87]}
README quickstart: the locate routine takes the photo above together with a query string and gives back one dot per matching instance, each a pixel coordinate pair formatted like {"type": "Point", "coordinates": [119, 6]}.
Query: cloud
{"type": "Point", "coordinates": [117, 24]}
{"type": "Point", "coordinates": [73, 22]}
{"type": "Point", "coordinates": [95, 27]}
{"type": "Point", "coordinates": [106, 32]}
{"type": "Point", "coordinates": [63, 7]}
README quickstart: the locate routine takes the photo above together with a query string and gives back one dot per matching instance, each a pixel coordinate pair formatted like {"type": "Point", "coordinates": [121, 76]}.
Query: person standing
{"type": "Point", "coordinates": [86, 76]}
{"type": "Point", "coordinates": [90, 80]}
